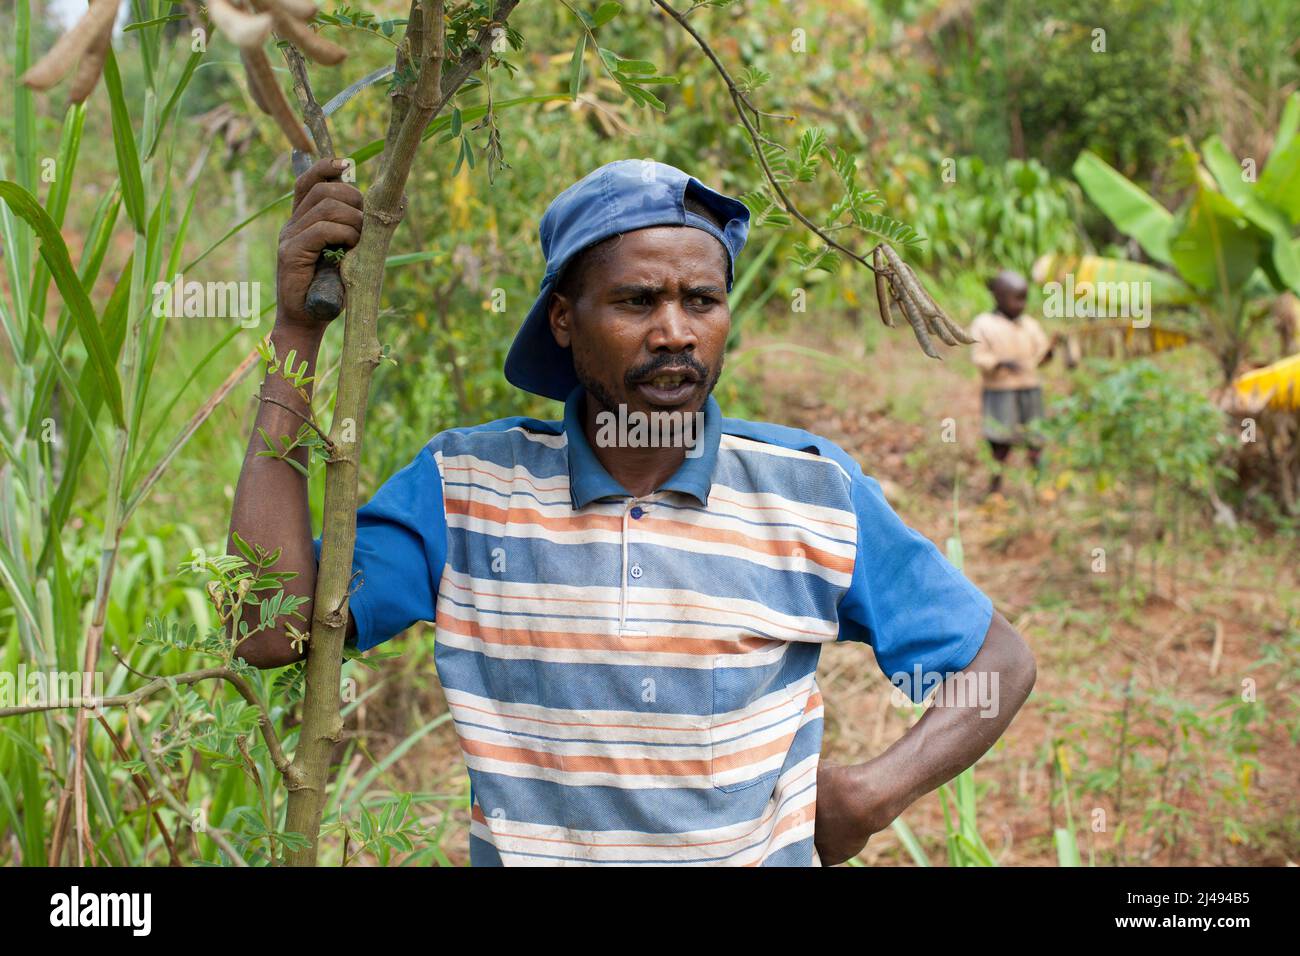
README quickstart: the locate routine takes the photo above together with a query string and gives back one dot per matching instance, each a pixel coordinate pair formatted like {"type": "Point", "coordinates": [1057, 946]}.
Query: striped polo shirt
{"type": "Point", "coordinates": [633, 680]}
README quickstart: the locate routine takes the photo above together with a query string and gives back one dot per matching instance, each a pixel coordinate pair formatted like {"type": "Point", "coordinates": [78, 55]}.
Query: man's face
{"type": "Point", "coordinates": [649, 327]}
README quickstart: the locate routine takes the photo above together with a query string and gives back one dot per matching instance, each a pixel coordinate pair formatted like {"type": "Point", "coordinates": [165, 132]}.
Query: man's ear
{"type": "Point", "coordinates": [560, 314]}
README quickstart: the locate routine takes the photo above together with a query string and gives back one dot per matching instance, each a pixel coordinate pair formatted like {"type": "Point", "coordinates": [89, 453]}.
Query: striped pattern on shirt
{"type": "Point", "coordinates": [633, 680]}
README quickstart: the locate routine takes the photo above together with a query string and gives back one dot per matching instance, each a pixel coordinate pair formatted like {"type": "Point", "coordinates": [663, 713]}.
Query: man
{"type": "Point", "coordinates": [628, 632]}
{"type": "Point", "coordinates": [1009, 347]}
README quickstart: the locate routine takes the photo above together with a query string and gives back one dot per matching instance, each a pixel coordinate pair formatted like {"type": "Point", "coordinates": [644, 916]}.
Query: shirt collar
{"type": "Point", "coordinates": [588, 479]}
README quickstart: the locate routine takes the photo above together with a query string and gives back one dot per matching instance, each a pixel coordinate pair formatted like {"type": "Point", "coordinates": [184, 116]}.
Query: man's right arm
{"type": "Point", "coordinates": [270, 507]}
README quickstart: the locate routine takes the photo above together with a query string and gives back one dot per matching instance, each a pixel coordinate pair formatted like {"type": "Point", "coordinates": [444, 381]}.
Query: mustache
{"type": "Point", "coordinates": [666, 362]}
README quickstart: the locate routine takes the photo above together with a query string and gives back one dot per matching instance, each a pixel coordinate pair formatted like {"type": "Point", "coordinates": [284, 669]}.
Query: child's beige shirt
{"type": "Point", "coordinates": [999, 339]}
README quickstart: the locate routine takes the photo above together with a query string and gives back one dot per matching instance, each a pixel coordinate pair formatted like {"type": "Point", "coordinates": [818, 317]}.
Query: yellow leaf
{"type": "Point", "coordinates": [1063, 760]}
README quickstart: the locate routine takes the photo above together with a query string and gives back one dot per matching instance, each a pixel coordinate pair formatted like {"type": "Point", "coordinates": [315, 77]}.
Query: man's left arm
{"type": "Point", "coordinates": [970, 711]}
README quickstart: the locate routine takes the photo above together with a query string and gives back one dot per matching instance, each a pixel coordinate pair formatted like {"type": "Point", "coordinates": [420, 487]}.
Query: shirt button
{"type": "Point", "coordinates": [635, 571]}
{"type": "Point", "coordinates": [637, 512]}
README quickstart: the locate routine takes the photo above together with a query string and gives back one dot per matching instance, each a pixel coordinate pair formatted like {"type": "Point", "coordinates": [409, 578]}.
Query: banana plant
{"type": "Point", "coordinates": [1231, 244]}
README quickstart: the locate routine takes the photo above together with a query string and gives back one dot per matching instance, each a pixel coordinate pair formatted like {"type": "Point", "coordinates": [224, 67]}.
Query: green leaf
{"type": "Point", "coordinates": [1133, 211]}
{"type": "Point", "coordinates": [55, 254]}
{"type": "Point", "coordinates": [455, 122]}
{"type": "Point", "coordinates": [1212, 245]}
{"type": "Point", "coordinates": [1286, 127]}
{"type": "Point", "coordinates": [634, 67]}
{"type": "Point", "coordinates": [910, 842]}
{"type": "Point", "coordinates": [1067, 848]}
{"type": "Point", "coordinates": [575, 66]}
{"type": "Point", "coordinates": [1279, 183]}
{"type": "Point", "coordinates": [605, 12]}
{"type": "Point", "coordinates": [1261, 213]}
{"type": "Point", "coordinates": [128, 159]}
{"type": "Point", "coordinates": [181, 84]}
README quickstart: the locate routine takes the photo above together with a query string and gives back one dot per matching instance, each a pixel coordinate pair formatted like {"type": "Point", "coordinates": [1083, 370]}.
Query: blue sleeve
{"type": "Point", "coordinates": [400, 552]}
{"type": "Point", "coordinates": [921, 616]}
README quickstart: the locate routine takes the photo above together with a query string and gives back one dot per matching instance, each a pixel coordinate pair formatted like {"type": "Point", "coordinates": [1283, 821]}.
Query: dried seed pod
{"type": "Point", "coordinates": [935, 326]}
{"type": "Point", "coordinates": [91, 67]}
{"type": "Point", "coordinates": [261, 80]}
{"type": "Point", "coordinates": [882, 290]}
{"type": "Point", "coordinates": [960, 334]}
{"type": "Point", "coordinates": [94, 24]}
{"type": "Point", "coordinates": [918, 327]}
{"type": "Point", "coordinates": [925, 302]}
{"type": "Point", "coordinates": [244, 29]}
{"type": "Point", "coordinates": [255, 81]}
{"type": "Point", "coordinates": [306, 39]}
{"type": "Point", "coordinates": [304, 10]}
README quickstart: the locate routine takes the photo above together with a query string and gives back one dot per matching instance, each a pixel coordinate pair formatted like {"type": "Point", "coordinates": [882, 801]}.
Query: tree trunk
{"type": "Point", "coordinates": [414, 106]}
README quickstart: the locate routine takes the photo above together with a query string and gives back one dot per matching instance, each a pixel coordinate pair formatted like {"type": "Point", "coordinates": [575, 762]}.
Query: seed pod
{"type": "Point", "coordinates": [882, 291]}
{"type": "Point", "coordinates": [255, 81]}
{"type": "Point", "coordinates": [918, 327]}
{"type": "Point", "coordinates": [261, 82]}
{"type": "Point", "coordinates": [957, 331]}
{"type": "Point", "coordinates": [91, 67]}
{"type": "Point", "coordinates": [304, 10]}
{"type": "Point", "coordinates": [925, 302]}
{"type": "Point", "coordinates": [933, 323]}
{"type": "Point", "coordinates": [72, 46]}
{"type": "Point", "coordinates": [244, 29]}
{"type": "Point", "coordinates": [306, 39]}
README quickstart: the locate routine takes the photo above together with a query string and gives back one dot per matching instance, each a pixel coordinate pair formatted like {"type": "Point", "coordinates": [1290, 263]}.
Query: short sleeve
{"type": "Point", "coordinates": [921, 615]}
{"type": "Point", "coordinates": [400, 552]}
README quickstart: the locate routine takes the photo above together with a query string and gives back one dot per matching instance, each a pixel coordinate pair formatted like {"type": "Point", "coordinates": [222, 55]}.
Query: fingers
{"type": "Point", "coordinates": [330, 189]}
{"type": "Point", "coordinates": [327, 209]}
{"type": "Point", "coordinates": [311, 241]}
{"type": "Point", "coordinates": [319, 172]}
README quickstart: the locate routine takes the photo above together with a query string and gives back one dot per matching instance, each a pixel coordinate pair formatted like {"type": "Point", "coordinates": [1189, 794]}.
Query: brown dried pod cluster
{"type": "Point", "coordinates": [895, 280]}
{"type": "Point", "coordinates": [248, 24]}
{"type": "Point", "coordinates": [86, 45]}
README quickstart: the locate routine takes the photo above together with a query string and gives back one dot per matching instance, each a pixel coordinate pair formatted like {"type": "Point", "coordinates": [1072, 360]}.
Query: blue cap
{"type": "Point", "coordinates": [618, 197]}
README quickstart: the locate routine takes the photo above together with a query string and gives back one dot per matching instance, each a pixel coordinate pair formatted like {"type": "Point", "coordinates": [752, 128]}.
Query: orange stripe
{"type": "Point", "coordinates": [621, 766]}
{"type": "Point", "coordinates": [745, 758]}
{"type": "Point", "coordinates": [677, 529]}
{"type": "Point", "coordinates": [569, 640]}
{"type": "Point", "coordinates": [781, 548]}
{"type": "Point", "coordinates": [521, 515]}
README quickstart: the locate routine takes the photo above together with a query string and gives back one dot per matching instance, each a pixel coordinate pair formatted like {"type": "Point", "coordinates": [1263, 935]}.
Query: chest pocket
{"type": "Point", "coordinates": [756, 712]}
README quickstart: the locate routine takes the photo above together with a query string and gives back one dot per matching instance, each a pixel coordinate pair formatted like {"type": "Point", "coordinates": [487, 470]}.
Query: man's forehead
{"type": "Point", "coordinates": [648, 255]}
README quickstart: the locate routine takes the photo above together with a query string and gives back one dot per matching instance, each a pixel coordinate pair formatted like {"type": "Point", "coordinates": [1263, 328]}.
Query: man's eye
{"type": "Point", "coordinates": [705, 301]}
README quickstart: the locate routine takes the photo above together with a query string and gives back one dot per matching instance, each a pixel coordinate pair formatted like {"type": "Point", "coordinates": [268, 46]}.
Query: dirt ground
{"type": "Point", "coordinates": [1193, 784]}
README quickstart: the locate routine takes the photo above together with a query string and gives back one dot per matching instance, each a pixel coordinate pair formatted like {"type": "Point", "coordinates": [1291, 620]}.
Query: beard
{"type": "Point", "coordinates": [604, 398]}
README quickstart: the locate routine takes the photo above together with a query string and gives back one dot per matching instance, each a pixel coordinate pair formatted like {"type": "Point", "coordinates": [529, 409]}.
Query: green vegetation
{"type": "Point", "coordinates": [973, 136]}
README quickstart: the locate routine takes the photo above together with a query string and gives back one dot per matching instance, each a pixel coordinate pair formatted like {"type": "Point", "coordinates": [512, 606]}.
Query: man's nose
{"type": "Point", "coordinates": [673, 329]}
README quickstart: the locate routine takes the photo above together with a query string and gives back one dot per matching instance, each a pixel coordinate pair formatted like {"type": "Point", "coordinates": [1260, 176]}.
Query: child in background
{"type": "Point", "coordinates": [1009, 347]}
